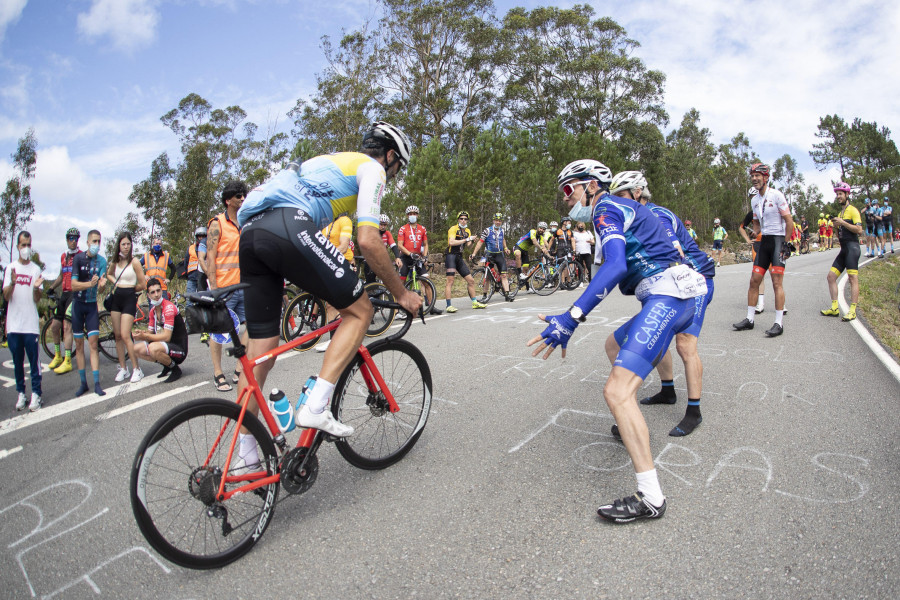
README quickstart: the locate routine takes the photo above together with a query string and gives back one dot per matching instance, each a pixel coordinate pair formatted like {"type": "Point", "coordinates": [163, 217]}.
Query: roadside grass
{"type": "Point", "coordinates": [879, 299]}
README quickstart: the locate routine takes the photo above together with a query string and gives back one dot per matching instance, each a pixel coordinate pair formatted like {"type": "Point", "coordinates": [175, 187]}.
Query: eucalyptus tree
{"type": "Point", "coordinates": [16, 205]}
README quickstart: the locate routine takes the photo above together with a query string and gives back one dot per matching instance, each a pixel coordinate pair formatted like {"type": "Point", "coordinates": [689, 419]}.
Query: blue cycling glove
{"type": "Point", "coordinates": [560, 329]}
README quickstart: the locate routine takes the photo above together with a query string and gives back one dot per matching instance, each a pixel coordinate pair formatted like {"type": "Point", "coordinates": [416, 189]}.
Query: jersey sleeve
{"type": "Point", "coordinates": [782, 205]}
{"type": "Point", "coordinates": [451, 234]}
{"type": "Point", "coordinates": [371, 179]}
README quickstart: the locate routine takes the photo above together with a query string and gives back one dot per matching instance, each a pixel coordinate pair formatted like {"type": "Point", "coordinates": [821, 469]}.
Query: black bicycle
{"type": "Point", "coordinates": [488, 280]}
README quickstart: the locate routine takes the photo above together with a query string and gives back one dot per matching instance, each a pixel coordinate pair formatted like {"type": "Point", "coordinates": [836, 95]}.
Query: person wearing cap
{"type": "Point", "coordinates": [495, 250]}
{"type": "Point", "coordinates": [690, 230]}
{"type": "Point", "coordinates": [849, 223]}
{"type": "Point", "coordinates": [459, 237]}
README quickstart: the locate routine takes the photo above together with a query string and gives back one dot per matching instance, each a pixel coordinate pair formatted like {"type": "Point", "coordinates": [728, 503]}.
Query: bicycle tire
{"type": "Point", "coordinates": [47, 339]}
{"type": "Point", "coordinates": [512, 277]}
{"type": "Point", "coordinates": [419, 286]}
{"type": "Point", "coordinates": [804, 247]}
{"type": "Point", "coordinates": [304, 313]}
{"type": "Point", "coordinates": [383, 317]}
{"type": "Point", "coordinates": [381, 438]}
{"type": "Point", "coordinates": [483, 282]}
{"type": "Point", "coordinates": [543, 282]}
{"type": "Point", "coordinates": [574, 271]}
{"type": "Point", "coordinates": [106, 340]}
{"type": "Point", "coordinates": [172, 492]}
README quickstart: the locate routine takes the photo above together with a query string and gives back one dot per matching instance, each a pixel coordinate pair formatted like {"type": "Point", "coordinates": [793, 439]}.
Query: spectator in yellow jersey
{"type": "Point", "coordinates": [459, 237]}
{"type": "Point", "coordinates": [340, 234]}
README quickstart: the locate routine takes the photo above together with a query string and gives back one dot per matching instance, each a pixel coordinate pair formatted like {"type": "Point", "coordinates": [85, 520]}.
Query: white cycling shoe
{"type": "Point", "coordinates": [324, 421]}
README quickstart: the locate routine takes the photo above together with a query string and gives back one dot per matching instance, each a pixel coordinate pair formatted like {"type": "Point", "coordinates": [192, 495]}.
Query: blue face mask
{"type": "Point", "coordinates": [157, 248]}
{"type": "Point", "coordinates": [582, 213]}
{"type": "Point", "coordinates": [94, 249]}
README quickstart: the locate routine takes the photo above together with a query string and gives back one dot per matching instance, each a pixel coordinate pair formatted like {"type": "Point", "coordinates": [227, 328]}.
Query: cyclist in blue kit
{"type": "Point", "coordinates": [638, 256]}
{"type": "Point", "coordinates": [88, 277]}
{"type": "Point", "coordinates": [632, 184]}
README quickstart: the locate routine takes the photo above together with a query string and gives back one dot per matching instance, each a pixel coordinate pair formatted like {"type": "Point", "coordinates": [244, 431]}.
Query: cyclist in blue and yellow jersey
{"type": "Point", "coordinates": [495, 250]}
{"type": "Point", "coordinates": [458, 237]}
{"type": "Point", "coordinates": [639, 256]}
{"type": "Point", "coordinates": [849, 223]}
{"type": "Point", "coordinates": [632, 184]}
{"type": "Point", "coordinates": [281, 239]}
{"type": "Point", "coordinates": [536, 240]}
{"type": "Point", "coordinates": [719, 237]}
{"type": "Point", "coordinates": [690, 230]}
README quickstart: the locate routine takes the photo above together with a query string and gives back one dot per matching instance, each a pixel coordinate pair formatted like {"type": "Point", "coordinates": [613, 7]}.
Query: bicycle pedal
{"type": "Point", "coordinates": [327, 437]}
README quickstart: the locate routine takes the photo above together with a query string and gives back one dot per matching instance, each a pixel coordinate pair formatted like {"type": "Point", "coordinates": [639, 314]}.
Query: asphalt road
{"type": "Point", "coordinates": [788, 489]}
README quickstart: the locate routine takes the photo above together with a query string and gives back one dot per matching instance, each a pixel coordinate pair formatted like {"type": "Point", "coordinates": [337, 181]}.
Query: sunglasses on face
{"type": "Point", "coordinates": [71, 238]}
{"type": "Point", "coordinates": [569, 188]}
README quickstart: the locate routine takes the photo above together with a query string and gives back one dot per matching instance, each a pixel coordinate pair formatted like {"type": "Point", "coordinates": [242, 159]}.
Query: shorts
{"type": "Point", "coordinates": [889, 228]}
{"type": "Point", "coordinates": [65, 298]}
{"type": "Point", "coordinates": [85, 319]}
{"type": "Point", "coordinates": [456, 264]}
{"type": "Point", "coordinates": [644, 339]}
{"type": "Point", "coordinates": [870, 230]}
{"type": "Point", "coordinates": [236, 303]}
{"type": "Point", "coordinates": [285, 243]}
{"type": "Point", "coordinates": [768, 257]}
{"type": "Point", "coordinates": [498, 259]}
{"type": "Point", "coordinates": [124, 300]}
{"type": "Point", "coordinates": [523, 254]}
{"type": "Point", "coordinates": [717, 244]}
{"type": "Point", "coordinates": [407, 263]}
{"type": "Point", "coordinates": [847, 258]}
{"type": "Point", "coordinates": [754, 249]}
{"type": "Point", "coordinates": [174, 351]}
{"type": "Point", "coordinates": [700, 304]}
{"type": "Point", "coordinates": [879, 231]}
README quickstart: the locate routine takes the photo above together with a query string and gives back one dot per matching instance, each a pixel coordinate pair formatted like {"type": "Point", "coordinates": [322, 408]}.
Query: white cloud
{"type": "Point", "coordinates": [10, 11]}
{"type": "Point", "coordinates": [130, 24]}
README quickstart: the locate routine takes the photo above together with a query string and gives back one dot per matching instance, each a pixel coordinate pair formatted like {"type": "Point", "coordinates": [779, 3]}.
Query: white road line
{"type": "Point", "coordinates": [880, 353]}
{"type": "Point", "coordinates": [45, 414]}
{"type": "Point", "coordinates": [5, 453]}
{"type": "Point", "coordinates": [146, 401]}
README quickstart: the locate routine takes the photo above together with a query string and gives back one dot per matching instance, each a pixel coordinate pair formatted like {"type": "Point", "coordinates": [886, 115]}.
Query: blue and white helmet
{"type": "Point", "coordinates": [585, 169]}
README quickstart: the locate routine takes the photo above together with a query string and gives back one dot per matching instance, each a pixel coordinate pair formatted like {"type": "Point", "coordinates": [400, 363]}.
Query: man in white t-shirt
{"type": "Point", "coordinates": [772, 218]}
{"type": "Point", "coordinates": [22, 290]}
{"type": "Point", "coordinates": [584, 239]}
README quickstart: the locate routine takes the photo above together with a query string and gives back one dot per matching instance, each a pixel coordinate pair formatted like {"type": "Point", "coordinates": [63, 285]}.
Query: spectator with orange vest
{"type": "Point", "coordinates": [195, 259]}
{"type": "Point", "coordinates": [157, 263]}
{"type": "Point", "coordinates": [222, 245]}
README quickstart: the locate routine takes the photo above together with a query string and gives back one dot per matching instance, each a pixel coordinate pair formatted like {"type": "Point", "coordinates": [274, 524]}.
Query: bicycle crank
{"type": "Point", "coordinates": [299, 470]}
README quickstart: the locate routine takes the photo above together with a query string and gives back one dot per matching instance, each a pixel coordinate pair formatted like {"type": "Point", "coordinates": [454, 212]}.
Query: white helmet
{"type": "Point", "coordinates": [554, 224]}
{"type": "Point", "coordinates": [716, 221]}
{"type": "Point", "coordinates": [627, 180]}
{"type": "Point", "coordinates": [385, 135]}
{"type": "Point", "coordinates": [542, 225]}
{"type": "Point", "coordinates": [583, 169]}
{"type": "Point", "coordinates": [412, 208]}
{"type": "Point", "coordinates": [384, 219]}
{"type": "Point", "coordinates": [200, 231]}
{"type": "Point", "coordinates": [752, 192]}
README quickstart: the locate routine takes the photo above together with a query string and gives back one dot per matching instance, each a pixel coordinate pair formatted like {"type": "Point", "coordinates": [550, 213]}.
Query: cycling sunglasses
{"type": "Point", "coordinates": [569, 188]}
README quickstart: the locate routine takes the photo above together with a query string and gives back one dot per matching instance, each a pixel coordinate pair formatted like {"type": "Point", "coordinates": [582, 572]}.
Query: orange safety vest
{"type": "Point", "coordinates": [228, 269]}
{"type": "Point", "coordinates": [157, 268]}
{"type": "Point", "coordinates": [193, 260]}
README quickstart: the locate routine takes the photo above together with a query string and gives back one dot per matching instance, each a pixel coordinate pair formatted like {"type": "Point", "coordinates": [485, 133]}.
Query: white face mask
{"type": "Point", "coordinates": [156, 302]}
{"type": "Point", "coordinates": [25, 253]}
{"type": "Point", "coordinates": [413, 218]}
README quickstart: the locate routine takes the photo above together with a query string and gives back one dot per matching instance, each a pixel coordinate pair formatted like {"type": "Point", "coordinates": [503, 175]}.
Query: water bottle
{"type": "Point", "coordinates": [281, 408]}
{"type": "Point", "coordinates": [304, 393]}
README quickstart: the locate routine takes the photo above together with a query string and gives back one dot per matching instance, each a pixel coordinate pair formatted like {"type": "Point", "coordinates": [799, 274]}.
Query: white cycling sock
{"type": "Point", "coordinates": [762, 301]}
{"type": "Point", "coordinates": [319, 396]}
{"type": "Point", "coordinates": [648, 485]}
{"type": "Point", "coordinates": [247, 449]}
{"type": "Point", "coordinates": [751, 313]}
{"type": "Point", "coordinates": [778, 316]}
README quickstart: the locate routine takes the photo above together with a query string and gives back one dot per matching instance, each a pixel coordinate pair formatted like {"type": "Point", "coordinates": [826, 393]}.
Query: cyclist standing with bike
{"type": "Point", "coordinates": [458, 237]}
{"type": "Point", "coordinates": [61, 365]}
{"type": "Point", "coordinates": [280, 239]}
{"type": "Point", "coordinates": [537, 239]}
{"type": "Point", "coordinates": [412, 239]}
{"type": "Point", "coordinates": [495, 250]}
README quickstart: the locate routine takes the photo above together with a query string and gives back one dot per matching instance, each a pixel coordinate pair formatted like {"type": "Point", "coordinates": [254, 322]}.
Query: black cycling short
{"type": "Point", "coordinates": [498, 259]}
{"type": "Point", "coordinates": [407, 263]}
{"type": "Point", "coordinates": [769, 254]}
{"type": "Point", "coordinates": [847, 258]}
{"type": "Point", "coordinates": [65, 299]}
{"type": "Point", "coordinates": [456, 264]}
{"type": "Point", "coordinates": [124, 300]}
{"type": "Point", "coordinates": [284, 243]}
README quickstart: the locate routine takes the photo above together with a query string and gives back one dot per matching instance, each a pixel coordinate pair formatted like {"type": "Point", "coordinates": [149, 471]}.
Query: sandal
{"type": "Point", "coordinates": [236, 377]}
{"type": "Point", "coordinates": [221, 384]}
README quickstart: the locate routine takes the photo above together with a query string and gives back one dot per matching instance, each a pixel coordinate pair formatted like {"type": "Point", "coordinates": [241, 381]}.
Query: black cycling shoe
{"type": "Point", "coordinates": [630, 509]}
{"type": "Point", "coordinates": [614, 430]}
{"type": "Point", "coordinates": [435, 311]}
{"type": "Point", "coordinates": [744, 325]}
{"type": "Point", "coordinates": [775, 331]}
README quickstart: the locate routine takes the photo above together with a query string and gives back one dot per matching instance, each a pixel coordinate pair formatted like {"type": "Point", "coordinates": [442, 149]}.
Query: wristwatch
{"type": "Point", "coordinates": [577, 314]}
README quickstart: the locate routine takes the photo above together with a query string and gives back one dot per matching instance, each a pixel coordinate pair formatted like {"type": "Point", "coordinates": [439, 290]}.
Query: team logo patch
{"type": "Point", "coordinates": [338, 273]}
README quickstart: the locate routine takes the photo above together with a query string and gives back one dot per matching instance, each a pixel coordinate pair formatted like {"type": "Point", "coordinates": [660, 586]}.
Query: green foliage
{"type": "Point", "coordinates": [16, 205]}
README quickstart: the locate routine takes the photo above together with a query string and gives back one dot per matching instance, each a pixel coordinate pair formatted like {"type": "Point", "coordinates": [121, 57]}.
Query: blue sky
{"type": "Point", "coordinates": [94, 76]}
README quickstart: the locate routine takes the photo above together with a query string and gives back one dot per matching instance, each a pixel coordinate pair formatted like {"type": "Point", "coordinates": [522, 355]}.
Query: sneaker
{"type": "Point", "coordinates": [760, 309]}
{"type": "Point", "coordinates": [57, 360]}
{"type": "Point", "coordinates": [323, 346]}
{"type": "Point", "coordinates": [744, 325]}
{"type": "Point", "coordinates": [718, 264]}
{"type": "Point", "coordinates": [851, 314]}
{"type": "Point", "coordinates": [36, 402]}
{"type": "Point", "coordinates": [122, 374]}
{"type": "Point", "coordinates": [630, 509]}
{"type": "Point", "coordinates": [204, 338]}
{"type": "Point", "coordinates": [452, 309]}
{"type": "Point", "coordinates": [475, 304]}
{"type": "Point", "coordinates": [64, 367]}
{"type": "Point", "coordinates": [137, 376]}
{"type": "Point", "coordinates": [20, 405]}
{"type": "Point", "coordinates": [775, 330]}
{"type": "Point", "coordinates": [509, 298]}
{"type": "Point", "coordinates": [324, 421]}
{"type": "Point", "coordinates": [831, 312]}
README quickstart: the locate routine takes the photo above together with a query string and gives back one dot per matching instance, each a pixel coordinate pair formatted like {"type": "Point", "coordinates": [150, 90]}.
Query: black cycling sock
{"type": "Point", "coordinates": [691, 419]}
{"type": "Point", "coordinates": [666, 395]}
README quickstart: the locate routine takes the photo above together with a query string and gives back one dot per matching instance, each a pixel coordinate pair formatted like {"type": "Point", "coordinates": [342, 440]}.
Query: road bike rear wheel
{"type": "Point", "coordinates": [573, 269]}
{"type": "Point", "coordinates": [106, 341]}
{"type": "Point", "coordinates": [424, 288]}
{"type": "Point", "coordinates": [383, 317]}
{"type": "Point", "coordinates": [47, 339]}
{"type": "Point", "coordinates": [175, 478]}
{"type": "Point", "coordinates": [544, 281]}
{"type": "Point", "coordinates": [804, 246]}
{"type": "Point", "coordinates": [512, 277]}
{"type": "Point", "coordinates": [484, 283]}
{"type": "Point", "coordinates": [382, 437]}
{"type": "Point", "coordinates": [303, 314]}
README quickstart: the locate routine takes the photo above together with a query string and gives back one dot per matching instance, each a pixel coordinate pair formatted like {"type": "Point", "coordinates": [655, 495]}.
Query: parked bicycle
{"type": "Point", "coordinates": [421, 284]}
{"type": "Point", "coordinates": [487, 279]}
{"type": "Point", "coordinates": [198, 510]}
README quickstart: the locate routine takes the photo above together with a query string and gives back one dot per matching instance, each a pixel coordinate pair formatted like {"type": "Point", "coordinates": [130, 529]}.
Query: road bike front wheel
{"type": "Point", "coordinates": [383, 317]}
{"type": "Point", "coordinates": [106, 340]}
{"type": "Point", "coordinates": [484, 283]}
{"type": "Point", "coordinates": [425, 289]}
{"type": "Point", "coordinates": [382, 437]}
{"type": "Point", "coordinates": [804, 246]}
{"type": "Point", "coordinates": [303, 314]}
{"type": "Point", "coordinates": [573, 269]}
{"type": "Point", "coordinates": [47, 339]}
{"type": "Point", "coordinates": [544, 281]}
{"type": "Point", "coordinates": [175, 479]}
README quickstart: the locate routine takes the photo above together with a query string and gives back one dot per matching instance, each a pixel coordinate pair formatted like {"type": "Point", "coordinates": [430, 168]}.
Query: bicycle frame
{"type": "Point", "coordinates": [309, 438]}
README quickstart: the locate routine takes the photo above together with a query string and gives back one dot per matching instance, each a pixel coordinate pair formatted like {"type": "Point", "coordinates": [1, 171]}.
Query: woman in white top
{"type": "Point", "coordinates": [127, 276]}
{"type": "Point", "coordinates": [584, 239]}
